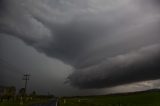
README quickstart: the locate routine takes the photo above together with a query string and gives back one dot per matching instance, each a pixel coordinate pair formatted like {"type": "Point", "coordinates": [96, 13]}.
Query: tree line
{"type": "Point", "coordinates": [9, 94]}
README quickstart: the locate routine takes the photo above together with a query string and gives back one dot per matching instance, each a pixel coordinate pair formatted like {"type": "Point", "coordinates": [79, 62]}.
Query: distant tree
{"type": "Point", "coordinates": [12, 91]}
{"type": "Point", "coordinates": [9, 92]}
{"type": "Point", "coordinates": [33, 94]}
{"type": "Point", "coordinates": [22, 92]}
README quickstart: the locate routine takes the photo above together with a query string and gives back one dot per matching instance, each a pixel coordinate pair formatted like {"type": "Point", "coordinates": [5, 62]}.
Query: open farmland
{"type": "Point", "coordinates": [133, 99]}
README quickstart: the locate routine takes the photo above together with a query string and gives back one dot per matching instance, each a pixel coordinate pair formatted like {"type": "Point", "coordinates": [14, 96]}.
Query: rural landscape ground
{"type": "Point", "coordinates": [145, 98]}
{"type": "Point", "coordinates": [24, 103]}
{"type": "Point", "coordinates": [131, 99]}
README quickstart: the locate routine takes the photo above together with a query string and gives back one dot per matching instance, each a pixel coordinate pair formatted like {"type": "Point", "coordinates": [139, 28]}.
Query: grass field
{"type": "Point", "coordinates": [28, 103]}
{"type": "Point", "coordinates": [136, 99]}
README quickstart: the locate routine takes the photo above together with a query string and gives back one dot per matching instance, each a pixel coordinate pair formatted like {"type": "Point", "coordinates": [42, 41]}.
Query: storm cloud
{"type": "Point", "coordinates": [132, 67]}
{"type": "Point", "coordinates": [107, 42]}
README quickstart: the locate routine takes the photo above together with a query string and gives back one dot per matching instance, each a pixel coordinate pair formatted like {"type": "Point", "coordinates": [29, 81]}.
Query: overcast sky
{"type": "Point", "coordinates": [80, 47]}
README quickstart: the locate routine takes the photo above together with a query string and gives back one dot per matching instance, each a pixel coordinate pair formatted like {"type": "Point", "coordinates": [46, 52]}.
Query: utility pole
{"type": "Point", "coordinates": [26, 78]}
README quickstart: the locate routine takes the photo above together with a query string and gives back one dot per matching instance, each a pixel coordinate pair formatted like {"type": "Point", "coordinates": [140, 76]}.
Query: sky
{"type": "Point", "coordinates": [80, 47]}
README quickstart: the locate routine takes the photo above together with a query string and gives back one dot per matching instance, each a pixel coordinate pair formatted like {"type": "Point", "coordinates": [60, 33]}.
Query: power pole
{"type": "Point", "coordinates": [26, 78]}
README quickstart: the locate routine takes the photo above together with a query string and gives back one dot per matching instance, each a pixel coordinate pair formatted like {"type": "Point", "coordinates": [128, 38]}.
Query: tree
{"type": "Point", "coordinates": [9, 92]}
{"type": "Point", "coordinates": [22, 92]}
{"type": "Point", "coordinates": [33, 94]}
{"type": "Point", "coordinates": [12, 91]}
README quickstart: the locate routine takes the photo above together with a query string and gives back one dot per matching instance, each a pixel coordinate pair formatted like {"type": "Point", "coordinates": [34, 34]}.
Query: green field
{"type": "Point", "coordinates": [27, 103]}
{"type": "Point", "coordinates": [135, 99]}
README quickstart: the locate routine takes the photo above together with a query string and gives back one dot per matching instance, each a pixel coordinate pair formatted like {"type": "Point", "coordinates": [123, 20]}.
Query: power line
{"type": "Point", "coordinates": [12, 68]}
{"type": "Point", "coordinates": [26, 78]}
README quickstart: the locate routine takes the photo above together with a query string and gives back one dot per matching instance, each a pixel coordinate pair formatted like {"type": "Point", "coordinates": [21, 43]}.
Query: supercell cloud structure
{"type": "Point", "coordinates": [107, 42]}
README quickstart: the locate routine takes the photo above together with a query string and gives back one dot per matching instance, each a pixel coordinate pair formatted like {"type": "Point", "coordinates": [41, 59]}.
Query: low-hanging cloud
{"type": "Point", "coordinates": [107, 42]}
{"type": "Point", "coordinates": [135, 66]}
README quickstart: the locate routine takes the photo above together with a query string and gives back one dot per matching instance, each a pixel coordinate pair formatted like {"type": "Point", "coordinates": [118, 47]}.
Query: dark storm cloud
{"type": "Point", "coordinates": [96, 37]}
{"type": "Point", "coordinates": [132, 67]}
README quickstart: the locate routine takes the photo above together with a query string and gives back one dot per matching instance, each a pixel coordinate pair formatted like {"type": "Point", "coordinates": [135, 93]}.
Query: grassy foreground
{"type": "Point", "coordinates": [27, 103]}
{"type": "Point", "coordinates": [135, 99]}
